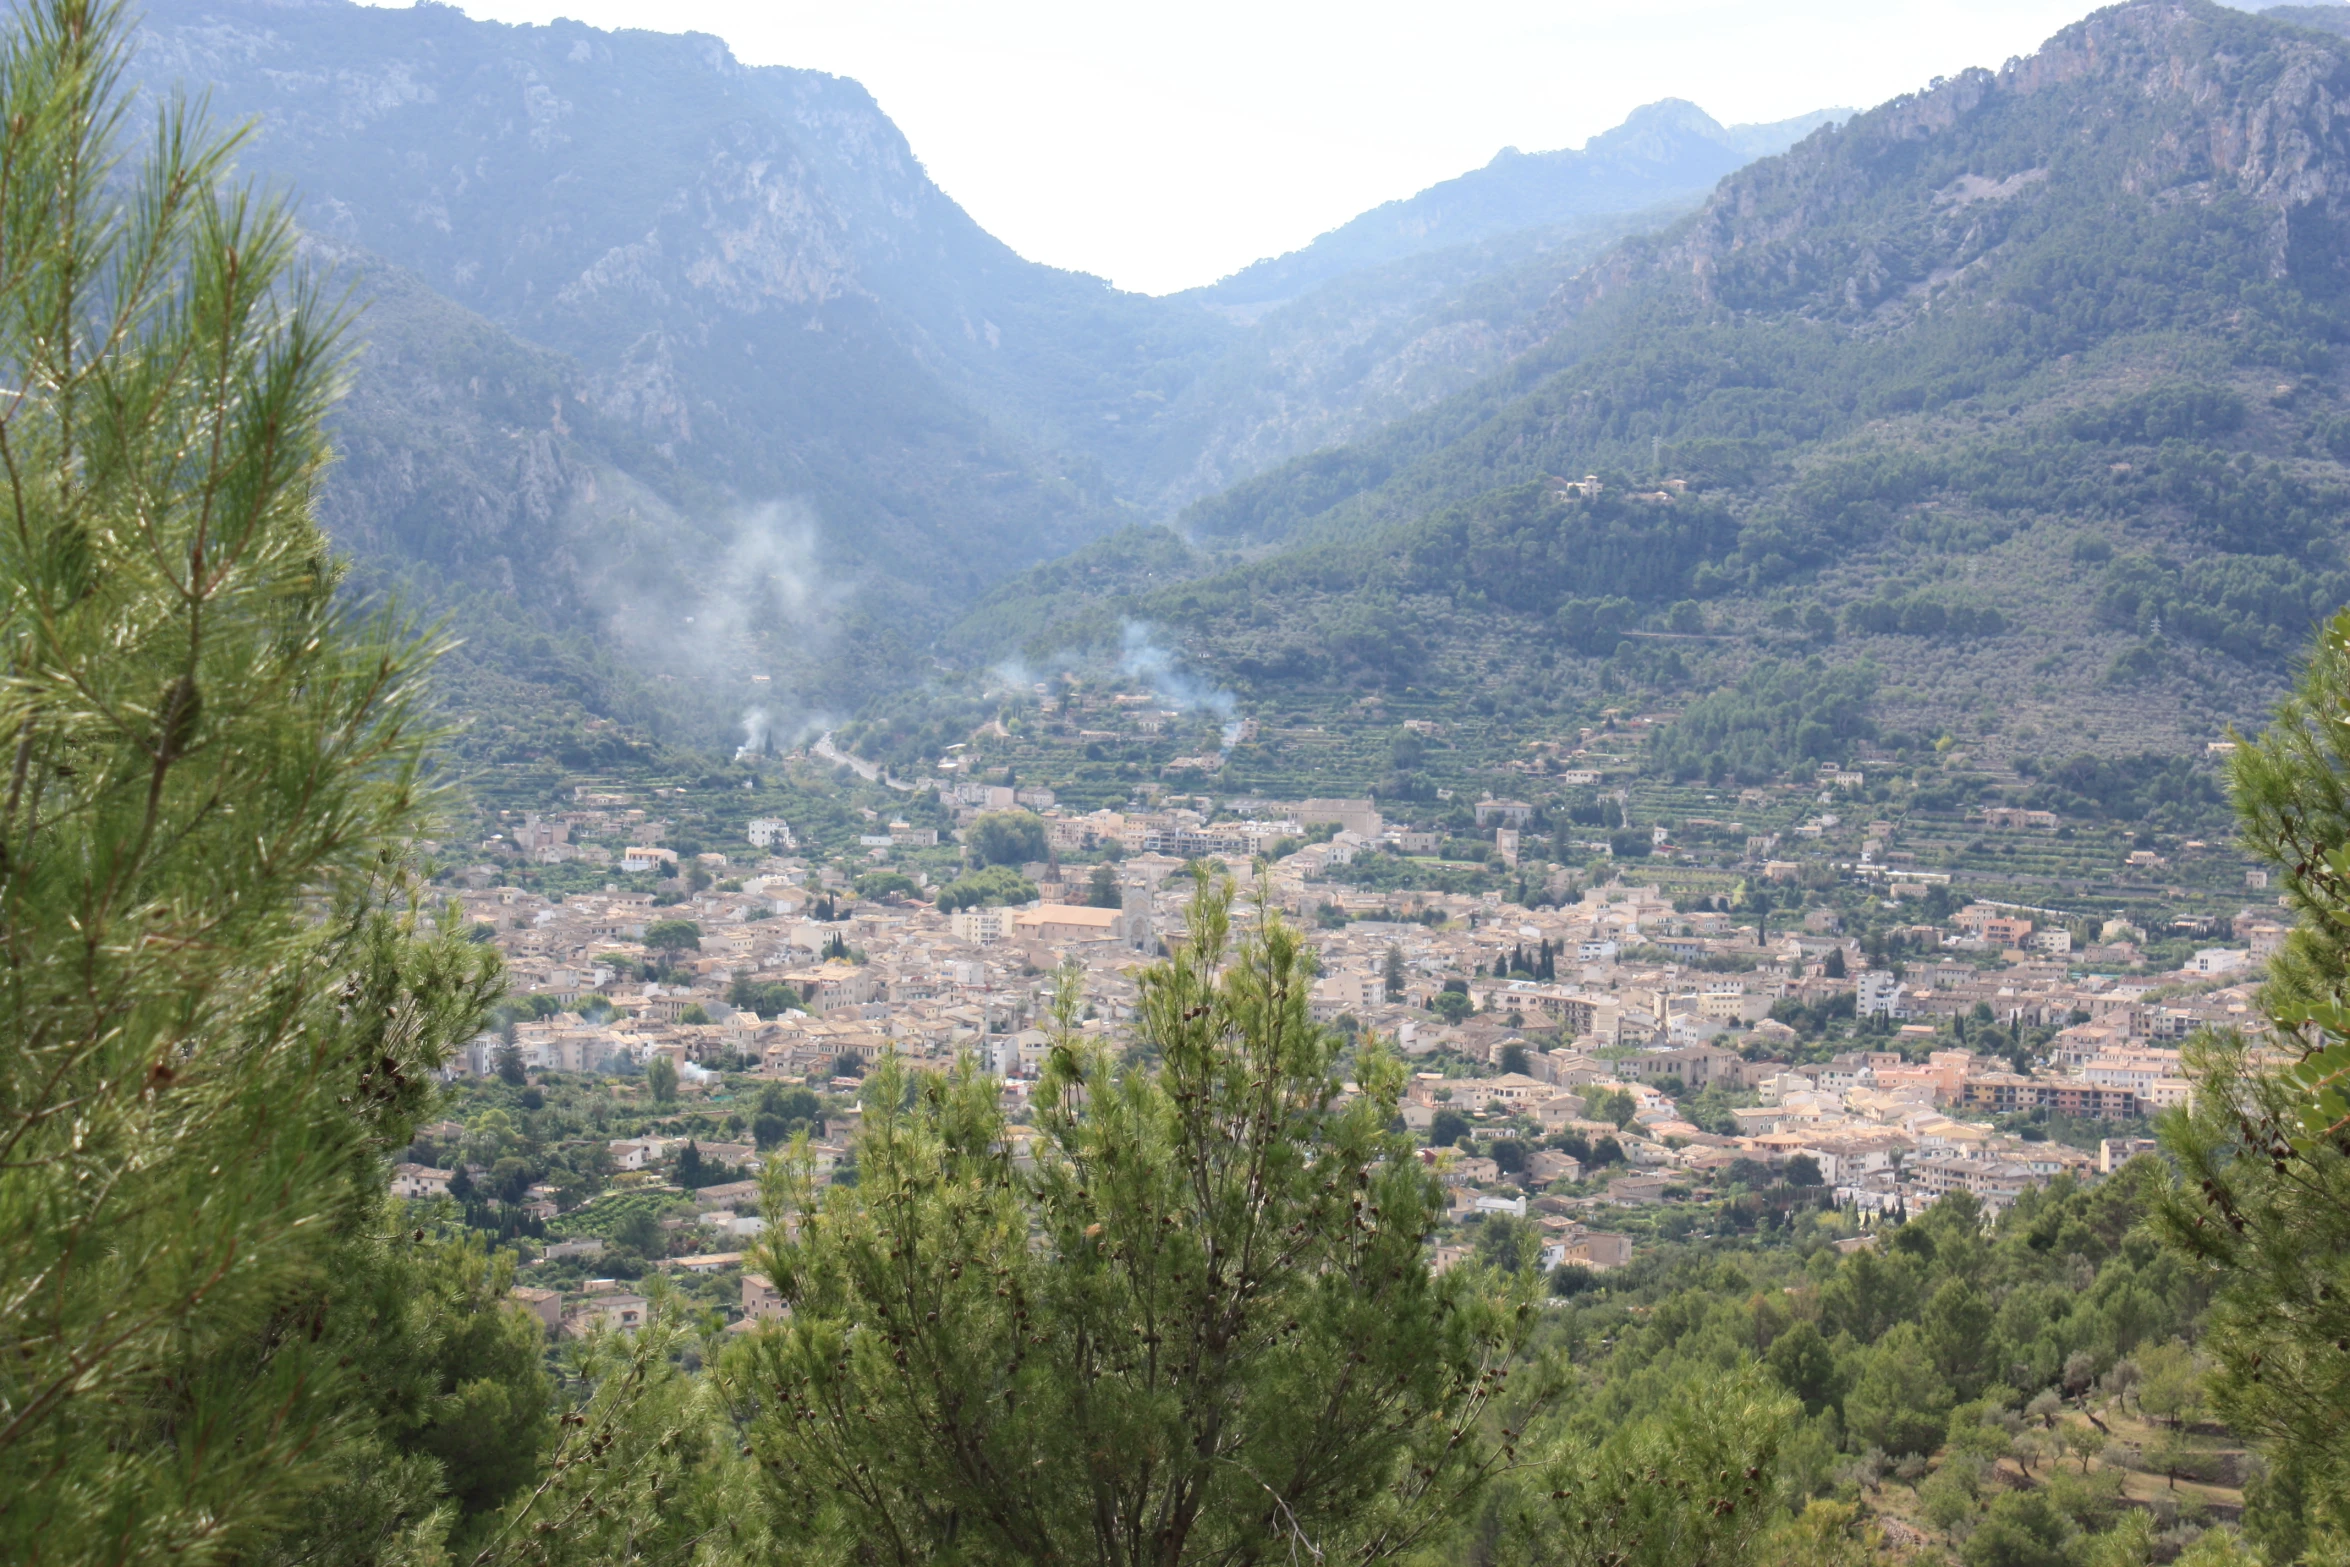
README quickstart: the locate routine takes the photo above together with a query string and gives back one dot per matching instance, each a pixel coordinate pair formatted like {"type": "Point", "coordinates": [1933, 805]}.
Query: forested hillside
{"type": "Point", "coordinates": [2024, 388]}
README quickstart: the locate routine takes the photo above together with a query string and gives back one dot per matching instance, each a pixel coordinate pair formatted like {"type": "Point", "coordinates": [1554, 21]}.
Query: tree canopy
{"type": "Point", "coordinates": [1007, 838]}
{"type": "Point", "coordinates": [673, 936]}
{"type": "Point", "coordinates": [2265, 1148]}
{"type": "Point", "coordinates": [995, 885]}
{"type": "Point", "coordinates": [1223, 1339]}
{"type": "Point", "coordinates": [223, 995]}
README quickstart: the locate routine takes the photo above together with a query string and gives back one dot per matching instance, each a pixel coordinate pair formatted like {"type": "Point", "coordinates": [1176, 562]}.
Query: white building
{"type": "Point", "coordinates": [634, 1153]}
{"type": "Point", "coordinates": [982, 924]}
{"type": "Point", "coordinates": [418, 1180]}
{"type": "Point", "coordinates": [1879, 994]}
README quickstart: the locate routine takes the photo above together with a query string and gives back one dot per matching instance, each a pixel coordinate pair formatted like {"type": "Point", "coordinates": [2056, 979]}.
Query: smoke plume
{"type": "Point", "coordinates": [1143, 657]}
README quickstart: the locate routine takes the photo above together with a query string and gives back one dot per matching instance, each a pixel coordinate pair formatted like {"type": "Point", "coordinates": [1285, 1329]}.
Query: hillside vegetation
{"type": "Point", "coordinates": [2025, 388]}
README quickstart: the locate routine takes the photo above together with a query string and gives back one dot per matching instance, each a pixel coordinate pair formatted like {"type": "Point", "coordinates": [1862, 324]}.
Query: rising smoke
{"type": "Point", "coordinates": [1010, 674]}
{"type": "Point", "coordinates": [1144, 657]}
{"type": "Point", "coordinates": [758, 731]}
{"type": "Point", "coordinates": [712, 614]}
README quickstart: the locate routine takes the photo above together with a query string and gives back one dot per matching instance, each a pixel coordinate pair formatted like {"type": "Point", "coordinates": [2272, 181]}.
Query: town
{"type": "Point", "coordinates": [1598, 1065]}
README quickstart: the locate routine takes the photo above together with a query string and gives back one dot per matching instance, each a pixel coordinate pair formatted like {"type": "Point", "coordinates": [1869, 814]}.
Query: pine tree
{"type": "Point", "coordinates": [2265, 1150]}
{"type": "Point", "coordinates": [649, 1470]}
{"type": "Point", "coordinates": [1202, 1329]}
{"type": "Point", "coordinates": [221, 1000]}
{"type": "Point", "coordinates": [447, 1412]}
{"type": "Point", "coordinates": [1687, 1482]}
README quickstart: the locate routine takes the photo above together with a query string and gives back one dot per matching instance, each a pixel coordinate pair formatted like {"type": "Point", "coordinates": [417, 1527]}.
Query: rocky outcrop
{"type": "Point", "coordinates": [2165, 101]}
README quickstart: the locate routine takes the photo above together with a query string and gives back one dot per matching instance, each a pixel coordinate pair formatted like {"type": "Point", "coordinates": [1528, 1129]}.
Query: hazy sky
{"type": "Point", "coordinates": [1165, 145]}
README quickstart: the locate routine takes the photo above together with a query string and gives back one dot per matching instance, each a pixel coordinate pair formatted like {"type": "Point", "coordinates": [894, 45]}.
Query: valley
{"type": "Point", "coordinates": [1639, 863]}
{"type": "Point", "coordinates": [2057, 481]}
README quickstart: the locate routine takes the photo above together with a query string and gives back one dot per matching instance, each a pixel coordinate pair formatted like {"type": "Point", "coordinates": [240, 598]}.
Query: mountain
{"type": "Point", "coordinates": [771, 337]}
{"type": "Point", "coordinates": [2017, 403]}
{"type": "Point", "coordinates": [679, 373]}
{"type": "Point", "coordinates": [1355, 354]}
{"type": "Point", "coordinates": [1422, 298]}
{"type": "Point", "coordinates": [1665, 153]}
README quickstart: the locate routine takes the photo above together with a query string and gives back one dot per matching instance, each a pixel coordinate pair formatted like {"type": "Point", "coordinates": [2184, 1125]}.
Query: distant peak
{"type": "Point", "coordinates": [1653, 126]}
{"type": "Point", "coordinates": [1676, 112]}
{"type": "Point", "coordinates": [1662, 152]}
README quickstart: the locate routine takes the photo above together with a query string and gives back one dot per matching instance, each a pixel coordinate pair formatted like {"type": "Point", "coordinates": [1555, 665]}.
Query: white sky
{"type": "Point", "coordinates": [1163, 146]}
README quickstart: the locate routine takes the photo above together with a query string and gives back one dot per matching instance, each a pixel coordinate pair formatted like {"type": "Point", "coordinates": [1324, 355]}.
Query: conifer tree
{"type": "Point", "coordinates": [1200, 1329]}
{"type": "Point", "coordinates": [1690, 1484]}
{"type": "Point", "coordinates": [219, 1001]}
{"type": "Point", "coordinates": [2265, 1150]}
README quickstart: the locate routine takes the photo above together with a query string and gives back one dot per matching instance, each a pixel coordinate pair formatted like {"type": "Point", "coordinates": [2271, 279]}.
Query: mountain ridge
{"type": "Point", "coordinates": [759, 308]}
{"type": "Point", "coordinates": [2059, 341]}
{"type": "Point", "coordinates": [1778, 226]}
{"type": "Point", "coordinates": [1673, 148]}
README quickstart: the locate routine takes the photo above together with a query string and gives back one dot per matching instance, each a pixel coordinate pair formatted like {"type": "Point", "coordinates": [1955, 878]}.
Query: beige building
{"type": "Point", "coordinates": [710, 1262]}
{"type": "Point", "coordinates": [1597, 1250]}
{"type": "Point", "coordinates": [1360, 817]}
{"type": "Point", "coordinates": [835, 984]}
{"type": "Point", "coordinates": [761, 1303]}
{"type": "Point", "coordinates": [615, 1313]}
{"type": "Point", "coordinates": [1066, 922]}
{"type": "Point", "coordinates": [546, 1305]}
{"type": "Point", "coordinates": [982, 925]}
